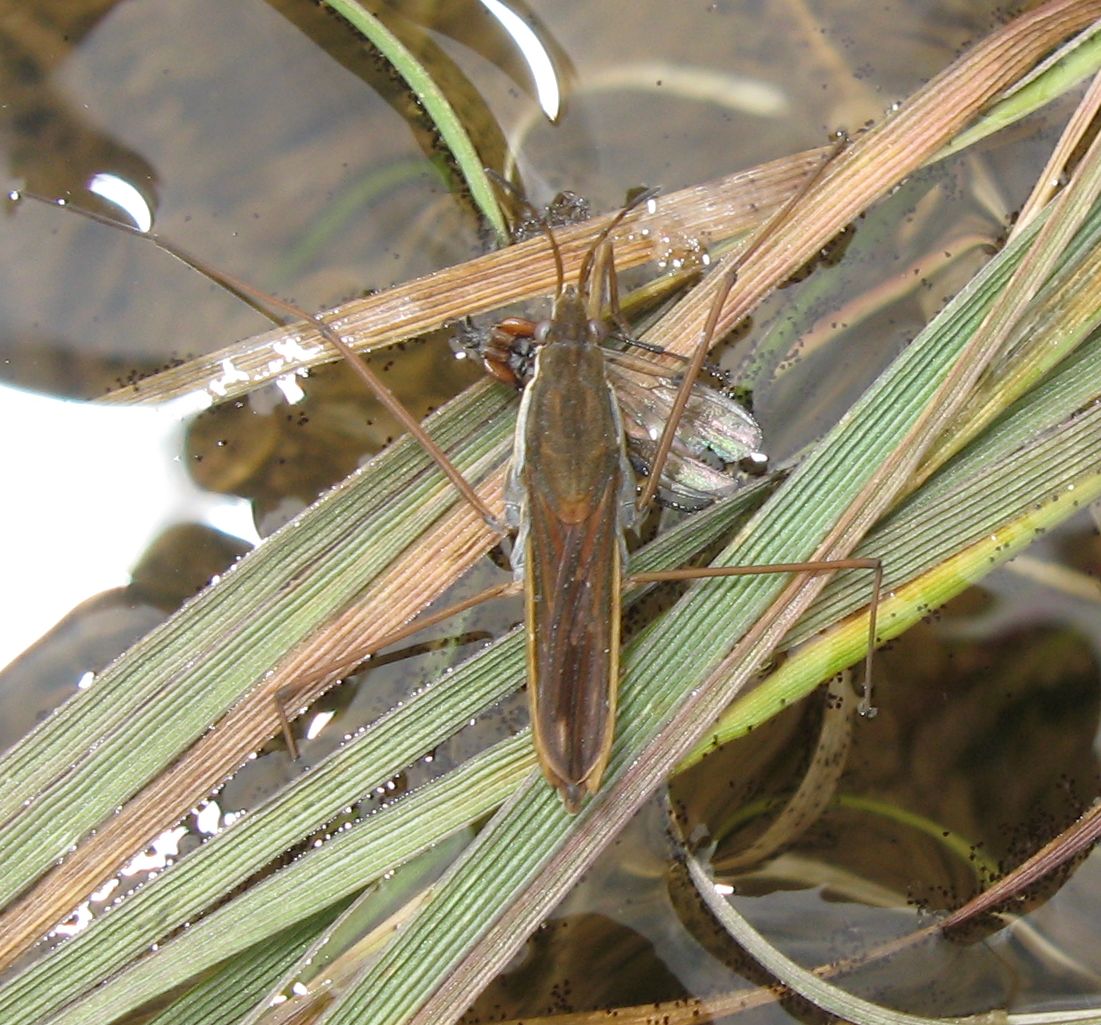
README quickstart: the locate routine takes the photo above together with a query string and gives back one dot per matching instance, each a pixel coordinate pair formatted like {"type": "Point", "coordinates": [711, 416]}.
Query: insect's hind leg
{"type": "Point", "coordinates": [283, 698]}
{"type": "Point", "coordinates": [815, 566]}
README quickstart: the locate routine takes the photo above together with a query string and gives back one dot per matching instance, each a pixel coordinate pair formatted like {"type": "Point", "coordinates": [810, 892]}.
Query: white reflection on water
{"type": "Point", "coordinates": [87, 489]}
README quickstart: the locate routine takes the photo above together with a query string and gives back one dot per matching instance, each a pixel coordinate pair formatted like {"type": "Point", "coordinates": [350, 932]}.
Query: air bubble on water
{"type": "Point", "coordinates": [158, 854]}
{"type": "Point", "coordinates": [104, 892]}
{"type": "Point", "coordinates": [208, 818]}
{"type": "Point", "coordinates": [318, 723]}
{"type": "Point", "coordinates": [78, 921]}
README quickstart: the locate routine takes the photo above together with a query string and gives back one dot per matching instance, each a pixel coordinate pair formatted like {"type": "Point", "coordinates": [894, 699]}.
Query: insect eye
{"type": "Point", "coordinates": [542, 330]}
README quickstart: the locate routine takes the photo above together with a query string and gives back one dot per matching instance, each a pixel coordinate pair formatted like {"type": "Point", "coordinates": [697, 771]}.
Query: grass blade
{"type": "Point", "coordinates": [436, 105]}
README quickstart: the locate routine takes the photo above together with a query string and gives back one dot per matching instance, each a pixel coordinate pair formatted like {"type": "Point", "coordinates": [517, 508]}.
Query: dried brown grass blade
{"type": "Point", "coordinates": [700, 213]}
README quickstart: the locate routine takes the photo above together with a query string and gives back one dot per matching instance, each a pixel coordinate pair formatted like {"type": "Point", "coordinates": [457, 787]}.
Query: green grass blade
{"type": "Point", "coordinates": [436, 105]}
{"type": "Point", "coordinates": [317, 880]}
{"type": "Point", "coordinates": [999, 509]}
{"type": "Point", "coordinates": [227, 995]}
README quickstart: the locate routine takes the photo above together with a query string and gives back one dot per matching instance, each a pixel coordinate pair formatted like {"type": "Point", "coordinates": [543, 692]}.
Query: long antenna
{"type": "Point", "coordinates": [526, 205]}
{"type": "Point", "coordinates": [586, 264]}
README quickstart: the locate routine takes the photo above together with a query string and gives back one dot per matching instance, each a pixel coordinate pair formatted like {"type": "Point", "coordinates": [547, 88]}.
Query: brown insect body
{"type": "Point", "coordinates": [571, 495]}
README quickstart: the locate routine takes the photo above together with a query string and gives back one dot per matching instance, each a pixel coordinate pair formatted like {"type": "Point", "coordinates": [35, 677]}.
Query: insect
{"type": "Point", "coordinates": [571, 499]}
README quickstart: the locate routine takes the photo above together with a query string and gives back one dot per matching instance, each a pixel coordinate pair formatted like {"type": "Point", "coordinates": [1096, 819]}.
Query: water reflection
{"type": "Point", "coordinates": [76, 533]}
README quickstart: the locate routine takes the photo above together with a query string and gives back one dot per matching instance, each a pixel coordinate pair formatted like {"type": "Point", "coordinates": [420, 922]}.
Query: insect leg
{"type": "Point", "coordinates": [814, 566]}
{"type": "Point", "coordinates": [730, 276]}
{"type": "Point", "coordinates": [253, 295]}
